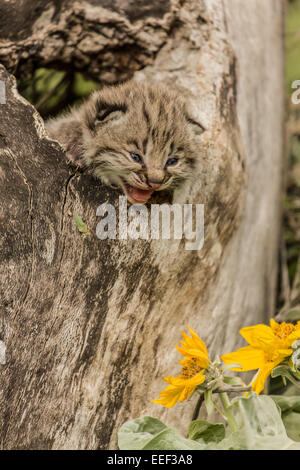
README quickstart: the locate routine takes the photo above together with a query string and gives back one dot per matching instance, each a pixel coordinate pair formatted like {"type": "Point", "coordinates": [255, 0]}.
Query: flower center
{"type": "Point", "coordinates": [283, 330]}
{"type": "Point", "coordinates": [190, 368]}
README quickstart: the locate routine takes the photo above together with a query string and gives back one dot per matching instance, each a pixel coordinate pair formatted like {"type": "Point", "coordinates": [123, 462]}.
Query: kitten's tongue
{"type": "Point", "coordinates": [139, 195]}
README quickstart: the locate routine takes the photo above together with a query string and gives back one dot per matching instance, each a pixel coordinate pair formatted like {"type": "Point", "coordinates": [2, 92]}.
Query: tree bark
{"type": "Point", "coordinates": [89, 326]}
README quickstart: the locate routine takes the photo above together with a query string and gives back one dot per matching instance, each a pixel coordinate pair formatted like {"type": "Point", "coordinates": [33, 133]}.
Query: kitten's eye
{"type": "Point", "coordinates": [135, 157]}
{"type": "Point", "coordinates": [171, 161]}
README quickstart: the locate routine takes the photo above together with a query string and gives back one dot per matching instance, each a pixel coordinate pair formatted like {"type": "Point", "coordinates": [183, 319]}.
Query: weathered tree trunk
{"type": "Point", "coordinates": [89, 326]}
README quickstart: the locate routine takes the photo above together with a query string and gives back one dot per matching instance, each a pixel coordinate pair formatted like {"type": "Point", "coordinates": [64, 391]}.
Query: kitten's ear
{"type": "Point", "coordinates": [198, 129]}
{"type": "Point", "coordinates": [70, 136]}
{"type": "Point", "coordinates": [105, 112]}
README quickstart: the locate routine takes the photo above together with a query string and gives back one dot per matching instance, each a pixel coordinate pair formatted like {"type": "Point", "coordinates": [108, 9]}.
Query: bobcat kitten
{"type": "Point", "coordinates": [136, 136]}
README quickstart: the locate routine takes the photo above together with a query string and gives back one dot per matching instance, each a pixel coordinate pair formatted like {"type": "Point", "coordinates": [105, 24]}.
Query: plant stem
{"type": "Point", "coordinates": [232, 389]}
{"type": "Point", "coordinates": [219, 410]}
{"type": "Point", "coordinates": [228, 412]}
{"type": "Point", "coordinates": [197, 407]}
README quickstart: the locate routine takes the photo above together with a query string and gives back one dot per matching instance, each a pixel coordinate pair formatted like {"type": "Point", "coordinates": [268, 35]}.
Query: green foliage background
{"type": "Point", "coordinates": [51, 91]}
{"type": "Point", "coordinates": [291, 215]}
{"type": "Point", "coordinates": [292, 43]}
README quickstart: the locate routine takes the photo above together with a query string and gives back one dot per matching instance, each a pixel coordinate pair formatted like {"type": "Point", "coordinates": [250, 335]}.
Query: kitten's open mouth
{"type": "Point", "coordinates": [136, 195]}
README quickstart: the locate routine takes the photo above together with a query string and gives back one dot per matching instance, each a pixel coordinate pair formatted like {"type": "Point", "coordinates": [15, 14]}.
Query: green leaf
{"type": "Point", "coordinates": [208, 401]}
{"type": "Point", "coordinates": [296, 344]}
{"type": "Point", "coordinates": [285, 371]}
{"type": "Point", "coordinates": [135, 434]}
{"type": "Point", "coordinates": [209, 432]}
{"type": "Point", "coordinates": [292, 314]}
{"type": "Point", "coordinates": [81, 226]}
{"type": "Point", "coordinates": [290, 411]}
{"type": "Point", "coordinates": [287, 403]}
{"type": "Point", "coordinates": [149, 433]}
{"type": "Point", "coordinates": [170, 439]}
{"type": "Point", "coordinates": [260, 425]}
{"type": "Point", "coordinates": [295, 360]}
{"type": "Point", "coordinates": [236, 381]}
{"type": "Point", "coordinates": [291, 422]}
{"type": "Point", "coordinates": [233, 365]}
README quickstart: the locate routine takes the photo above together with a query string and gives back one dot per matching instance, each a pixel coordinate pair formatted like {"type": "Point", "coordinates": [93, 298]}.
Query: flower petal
{"type": "Point", "coordinates": [293, 336]}
{"type": "Point", "coordinates": [192, 346]}
{"type": "Point", "coordinates": [250, 358]}
{"type": "Point", "coordinates": [178, 390]}
{"type": "Point", "coordinates": [260, 378]}
{"type": "Point", "coordinates": [203, 360]}
{"type": "Point", "coordinates": [169, 396]}
{"type": "Point", "coordinates": [198, 341]}
{"type": "Point", "coordinates": [259, 336]}
{"type": "Point", "coordinates": [281, 354]}
{"type": "Point", "coordinates": [190, 382]}
{"type": "Point", "coordinates": [273, 324]}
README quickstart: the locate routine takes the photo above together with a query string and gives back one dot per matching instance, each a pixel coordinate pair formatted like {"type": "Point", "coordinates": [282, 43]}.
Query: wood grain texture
{"type": "Point", "coordinates": [89, 325]}
{"type": "Point", "coordinates": [108, 40]}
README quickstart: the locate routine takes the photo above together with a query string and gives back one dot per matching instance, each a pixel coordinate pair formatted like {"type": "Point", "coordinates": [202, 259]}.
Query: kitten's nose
{"type": "Point", "coordinates": [155, 184]}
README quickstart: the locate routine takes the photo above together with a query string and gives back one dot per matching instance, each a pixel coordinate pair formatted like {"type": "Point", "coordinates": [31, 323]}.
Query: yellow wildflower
{"type": "Point", "coordinates": [194, 347]}
{"type": "Point", "coordinates": [268, 347]}
{"type": "Point", "coordinates": [192, 372]}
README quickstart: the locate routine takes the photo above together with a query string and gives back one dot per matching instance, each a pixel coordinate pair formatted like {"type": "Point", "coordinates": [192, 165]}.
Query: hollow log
{"type": "Point", "coordinates": [88, 326]}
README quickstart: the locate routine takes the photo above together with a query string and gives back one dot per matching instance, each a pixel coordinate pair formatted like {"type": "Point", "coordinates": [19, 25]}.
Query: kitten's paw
{"type": "Point", "coordinates": [74, 154]}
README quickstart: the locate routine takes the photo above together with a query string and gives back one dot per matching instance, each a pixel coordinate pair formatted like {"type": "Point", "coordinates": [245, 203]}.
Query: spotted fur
{"type": "Point", "coordinates": [149, 121]}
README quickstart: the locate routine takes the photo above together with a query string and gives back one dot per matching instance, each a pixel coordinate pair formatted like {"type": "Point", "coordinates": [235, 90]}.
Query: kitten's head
{"type": "Point", "coordinates": [139, 137]}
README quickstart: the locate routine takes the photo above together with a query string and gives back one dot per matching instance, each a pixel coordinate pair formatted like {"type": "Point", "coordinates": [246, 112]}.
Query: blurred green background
{"type": "Point", "coordinates": [291, 216]}
{"type": "Point", "coordinates": [292, 43]}
{"type": "Point", "coordinates": [51, 91]}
